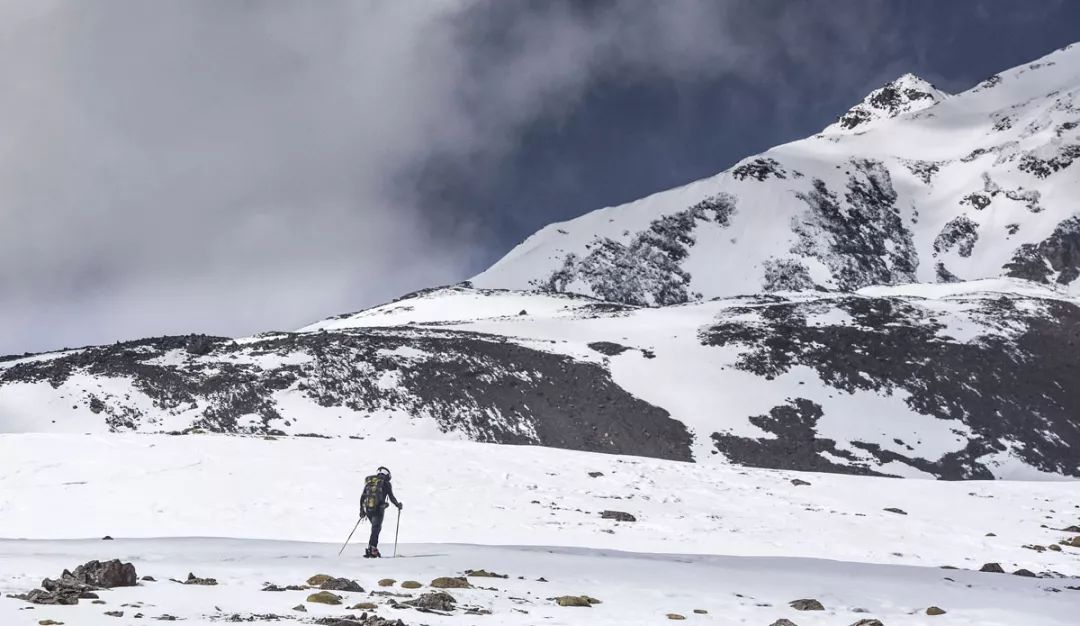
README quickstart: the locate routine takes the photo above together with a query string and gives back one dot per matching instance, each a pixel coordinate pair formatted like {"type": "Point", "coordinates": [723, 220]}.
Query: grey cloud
{"type": "Point", "coordinates": [230, 167]}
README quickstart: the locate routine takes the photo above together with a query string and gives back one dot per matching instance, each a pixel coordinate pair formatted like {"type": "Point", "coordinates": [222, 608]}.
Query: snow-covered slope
{"type": "Point", "coordinates": [911, 185]}
{"type": "Point", "coordinates": [865, 547]}
{"type": "Point", "coordinates": [802, 310]}
{"type": "Point", "coordinates": [953, 380]}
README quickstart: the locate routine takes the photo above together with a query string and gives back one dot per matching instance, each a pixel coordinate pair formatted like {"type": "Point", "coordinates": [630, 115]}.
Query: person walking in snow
{"type": "Point", "coordinates": [377, 490]}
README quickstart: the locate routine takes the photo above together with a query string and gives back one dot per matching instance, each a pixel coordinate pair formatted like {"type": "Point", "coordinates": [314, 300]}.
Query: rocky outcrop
{"type": "Point", "coordinates": [80, 584]}
{"type": "Point", "coordinates": [1055, 259]}
{"type": "Point", "coordinates": [648, 270]}
{"type": "Point", "coordinates": [485, 387]}
{"type": "Point", "coordinates": [893, 346]}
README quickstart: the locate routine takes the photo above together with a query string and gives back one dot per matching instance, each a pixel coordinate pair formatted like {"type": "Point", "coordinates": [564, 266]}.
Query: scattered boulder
{"type": "Point", "coordinates": [387, 582]}
{"type": "Point", "coordinates": [341, 584]}
{"type": "Point", "coordinates": [411, 584]}
{"type": "Point", "coordinates": [1074, 542]}
{"type": "Point", "coordinates": [434, 601]}
{"type": "Point", "coordinates": [364, 606]}
{"type": "Point", "coordinates": [149, 579]}
{"type": "Point", "coordinates": [583, 601]}
{"type": "Point", "coordinates": [618, 516]}
{"type": "Point", "coordinates": [102, 575]}
{"type": "Point", "coordinates": [1026, 573]}
{"type": "Point", "coordinates": [806, 604]}
{"type": "Point", "coordinates": [49, 622]}
{"type": "Point", "coordinates": [300, 607]}
{"type": "Point", "coordinates": [273, 587]}
{"type": "Point", "coordinates": [80, 584]}
{"type": "Point", "coordinates": [935, 611]}
{"type": "Point", "coordinates": [192, 579]}
{"type": "Point", "coordinates": [893, 509]}
{"type": "Point", "coordinates": [480, 573]}
{"type": "Point", "coordinates": [799, 482]}
{"type": "Point", "coordinates": [318, 579]}
{"type": "Point", "coordinates": [701, 611]}
{"type": "Point", "coordinates": [868, 622]}
{"type": "Point", "coordinates": [992, 568]}
{"type": "Point", "coordinates": [451, 582]}
{"type": "Point", "coordinates": [595, 474]}
{"type": "Point", "coordinates": [783, 622]}
{"type": "Point", "coordinates": [675, 616]}
{"type": "Point", "coordinates": [1054, 547]}
{"type": "Point", "coordinates": [114, 613]}
{"type": "Point", "coordinates": [324, 597]}
{"type": "Point", "coordinates": [1071, 529]}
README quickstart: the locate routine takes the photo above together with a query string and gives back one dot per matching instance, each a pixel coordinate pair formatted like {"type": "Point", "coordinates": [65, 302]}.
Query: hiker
{"type": "Point", "coordinates": [373, 504]}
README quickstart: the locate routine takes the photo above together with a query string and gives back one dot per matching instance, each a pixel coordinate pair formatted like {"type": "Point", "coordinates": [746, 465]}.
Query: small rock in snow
{"type": "Point", "coordinates": [806, 604]}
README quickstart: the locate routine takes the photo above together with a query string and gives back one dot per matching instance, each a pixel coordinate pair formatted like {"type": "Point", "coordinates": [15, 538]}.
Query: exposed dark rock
{"type": "Point", "coordinates": [463, 380]}
{"type": "Point", "coordinates": [648, 270]}
{"type": "Point", "coordinates": [960, 233]}
{"type": "Point", "coordinates": [896, 510]}
{"type": "Point", "coordinates": [1025, 573]}
{"type": "Point", "coordinates": [80, 584]}
{"type": "Point", "coordinates": [106, 574]}
{"type": "Point", "coordinates": [992, 568]}
{"type": "Point", "coordinates": [341, 584]}
{"type": "Point", "coordinates": [1054, 259]}
{"type": "Point", "coordinates": [192, 579]}
{"type": "Point", "coordinates": [892, 345]}
{"type": "Point", "coordinates": [759, 169]}
{"type": "Point", "coordinates": [618, 516]}
{"type": "Point", "coordinates": [608, 348]}
{"type": "Point", "coordinates": [1043, 167]}
{"type": "Point", "coordinates": [868, 622]}
{"type": "Point", "coordinates": [798, 482]}
{"type": "Point", "coordinates": [795, 445]}
{"type": "Point", "coordinates": [435, 601]}
{"type": "Point", "coordinates": [481, 573]}
{"type": "Point", "coordinates": [786, 275]}
{"type": "Point", "coordinates": [806, 604]}
{"type": "Point", "coordinates": [933, 610]}
{"type": "Point", "coordinates": [861, 238]}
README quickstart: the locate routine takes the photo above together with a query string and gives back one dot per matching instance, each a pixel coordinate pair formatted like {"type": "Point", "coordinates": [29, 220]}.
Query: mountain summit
{"type": "Point", "coordinates": [906, 94]}
{"type": "Point", "coordinates": [910, 186]}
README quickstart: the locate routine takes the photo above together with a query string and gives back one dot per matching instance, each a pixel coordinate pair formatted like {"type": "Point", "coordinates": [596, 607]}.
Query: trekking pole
{"type": "Point", "coordinates": [397, 528]}
{"type": "Point", "coordinates": [350, 535]}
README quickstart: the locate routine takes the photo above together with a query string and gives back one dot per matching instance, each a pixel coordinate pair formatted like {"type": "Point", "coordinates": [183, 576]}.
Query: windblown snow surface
{"type": "Point", "coordinates": [283, 506]}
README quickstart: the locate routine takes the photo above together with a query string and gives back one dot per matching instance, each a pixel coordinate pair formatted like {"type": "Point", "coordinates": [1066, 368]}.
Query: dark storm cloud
{"type": "Point", "coordinates": [236, 166]}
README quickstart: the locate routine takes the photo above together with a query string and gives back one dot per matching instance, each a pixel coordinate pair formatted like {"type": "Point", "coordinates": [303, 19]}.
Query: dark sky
{"type": "Point", "coordinates": [232, 167]}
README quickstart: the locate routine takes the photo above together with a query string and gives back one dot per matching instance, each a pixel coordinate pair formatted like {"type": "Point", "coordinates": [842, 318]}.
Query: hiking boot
{"type": "Point", "coordinates": [375, 553]}
{"type": "Point", "coordinates": [367, 553]}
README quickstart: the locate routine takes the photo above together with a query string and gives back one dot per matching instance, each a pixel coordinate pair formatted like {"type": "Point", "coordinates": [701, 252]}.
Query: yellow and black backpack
{"type": "Point", "coordinates": [374, 496]}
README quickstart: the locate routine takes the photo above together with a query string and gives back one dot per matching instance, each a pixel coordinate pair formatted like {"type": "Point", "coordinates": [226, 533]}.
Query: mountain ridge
{"type": "Point", "coordinates": [833, 304]}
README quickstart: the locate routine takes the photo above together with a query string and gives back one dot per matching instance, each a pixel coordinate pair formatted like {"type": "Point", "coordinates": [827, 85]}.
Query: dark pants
{"type": "Point", "coordinates": [376, 519]}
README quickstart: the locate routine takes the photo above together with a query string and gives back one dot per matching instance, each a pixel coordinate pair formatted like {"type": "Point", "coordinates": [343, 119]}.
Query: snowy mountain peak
{"type": "Point", "coordinates": [906, 94]}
